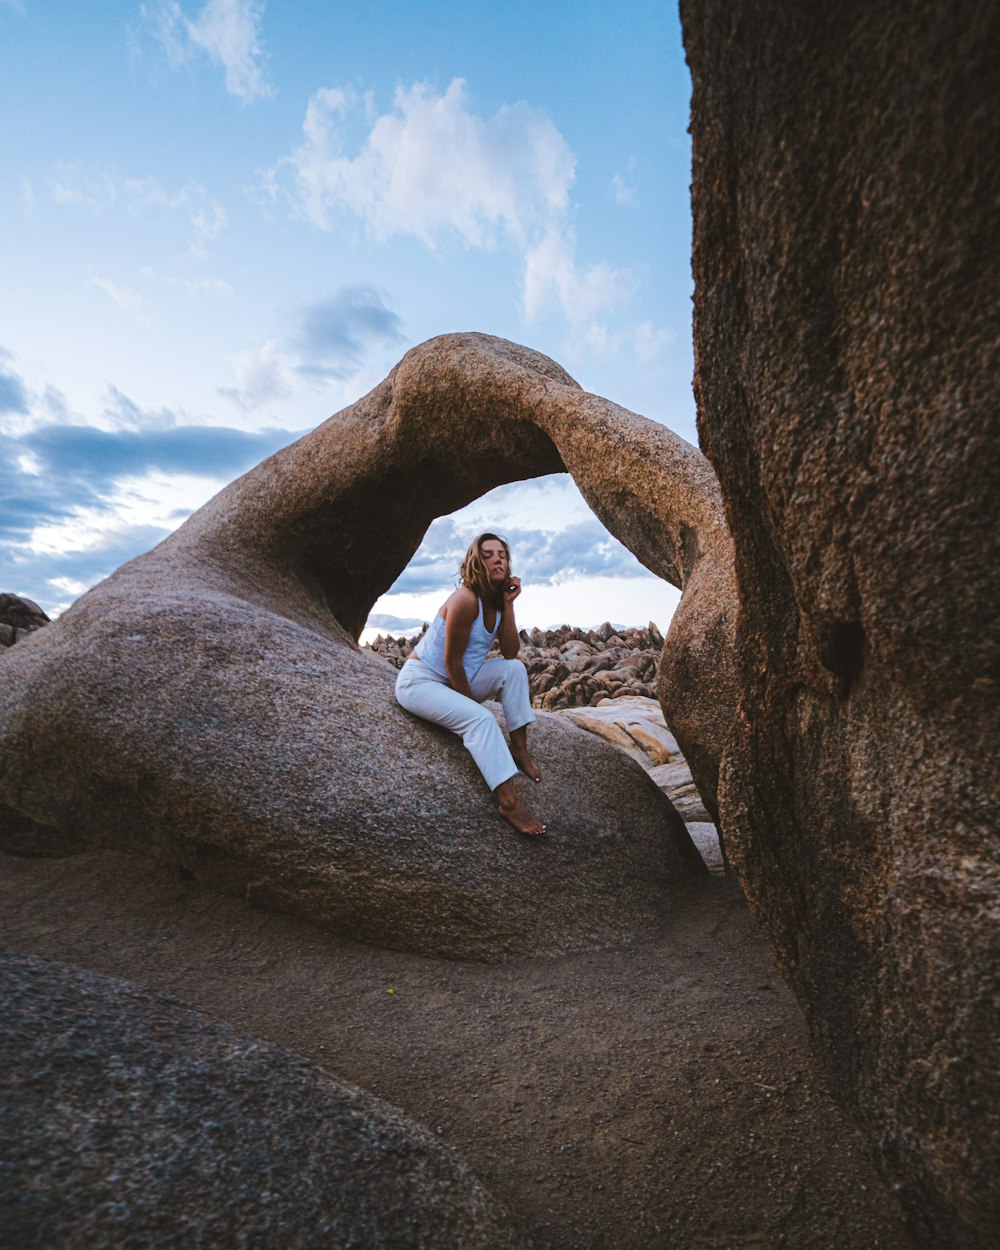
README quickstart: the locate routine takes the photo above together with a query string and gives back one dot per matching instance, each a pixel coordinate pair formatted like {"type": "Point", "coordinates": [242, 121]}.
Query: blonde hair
{"type": "Point", "coordinates": [474, 573]}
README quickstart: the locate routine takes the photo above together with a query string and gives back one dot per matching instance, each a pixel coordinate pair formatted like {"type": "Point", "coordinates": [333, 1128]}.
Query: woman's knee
{"type": "Point", "coordinates": [481, 726]}
{"type": "Point", "coordinates": [515, 673]}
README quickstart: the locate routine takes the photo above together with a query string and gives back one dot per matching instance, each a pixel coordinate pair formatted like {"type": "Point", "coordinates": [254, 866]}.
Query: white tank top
{"type": "Point", "coordinates": [430, 648]}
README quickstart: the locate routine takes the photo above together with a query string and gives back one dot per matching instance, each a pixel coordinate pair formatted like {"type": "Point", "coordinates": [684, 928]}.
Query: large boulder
{"type": "Point", "coordinates": [845, 195]}
{"type": "Point", "coordinates": [208, 703]}
{"type": "Point", "coordinates": [18, 618]}
{"type": "Point", "coordinates": [130, 1120]}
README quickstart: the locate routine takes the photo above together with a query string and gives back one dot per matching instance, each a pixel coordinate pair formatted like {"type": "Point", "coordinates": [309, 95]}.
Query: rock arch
{"type": "Point", "coordinates": [208, 702]}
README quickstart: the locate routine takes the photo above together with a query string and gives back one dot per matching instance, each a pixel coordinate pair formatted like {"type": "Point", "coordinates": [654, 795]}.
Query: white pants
{"type": "Point", "coordinates": [426, 693]}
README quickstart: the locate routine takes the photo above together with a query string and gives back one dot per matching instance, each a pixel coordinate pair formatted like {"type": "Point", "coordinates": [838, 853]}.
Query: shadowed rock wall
{"type": "Point", "coordinates": [845, 192]}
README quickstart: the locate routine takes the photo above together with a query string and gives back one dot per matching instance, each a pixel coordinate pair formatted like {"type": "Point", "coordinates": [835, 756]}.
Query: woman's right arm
{"type": "Point", "coordinates": [462, 609]}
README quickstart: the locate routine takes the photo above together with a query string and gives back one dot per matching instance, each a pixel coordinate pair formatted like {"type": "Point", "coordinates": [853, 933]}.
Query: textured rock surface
{"type": "Point", "coordinates": [130, 1120]}
{"type": "Point", "coordinates": [845, 201]}
{"type": "Point", "coordinates": [208, 703]}
{"type": "Point", "coordinates": [635, 724]}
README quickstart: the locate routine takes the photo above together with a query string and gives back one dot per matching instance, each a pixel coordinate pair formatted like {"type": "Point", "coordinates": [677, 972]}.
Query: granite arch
{"type": "Point", "coordinates": [208, 702]}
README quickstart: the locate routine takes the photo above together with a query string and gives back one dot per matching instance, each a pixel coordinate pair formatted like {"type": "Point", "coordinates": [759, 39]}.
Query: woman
{"type": "Point", "coordinates": [448, 676]}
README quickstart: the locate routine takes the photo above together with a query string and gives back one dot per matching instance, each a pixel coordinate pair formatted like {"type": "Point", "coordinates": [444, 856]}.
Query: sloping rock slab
{"type": "Point", "coordinates": [635, 725]}
{"type": "Point", "coordinates": [208, 703]}
{"type": "Point", "coordinates": [132, 1121]}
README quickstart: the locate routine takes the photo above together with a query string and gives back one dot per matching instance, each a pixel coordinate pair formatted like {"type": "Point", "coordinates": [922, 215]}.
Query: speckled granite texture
{"type": "Point", "coordinates": [130, 1121]}
{"type": "Point", "coordinates": [846, 198]}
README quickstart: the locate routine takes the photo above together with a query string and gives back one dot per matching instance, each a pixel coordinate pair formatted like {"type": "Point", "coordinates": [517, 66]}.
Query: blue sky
{"type": "Point", "coordinates": [224, 221]}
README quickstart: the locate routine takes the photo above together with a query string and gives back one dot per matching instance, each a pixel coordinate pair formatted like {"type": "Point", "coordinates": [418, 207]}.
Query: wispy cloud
{"type": "Point", "coordinates": [434, 169]}
{"type": "Point", "coordinates": [27, 197]}
{"type": "Point", "coordinates": [551, 272]}
{"type": "Point", "coordinates": [123, 296]}
{"type": "Point", "coordinates": [226, 32]}
{"type": "Point", "coordinates": [102, 191]}
{"type": "Point", "coordinates": [623, 185]}
{"type": "Point", "coordinates": [74, 183]}
{"type": "Point", "coordinates": [646, 341]}
{"type": "Point", "coordinates": [263, 374]}
{"type": "Point", "coordinates": [329, 341]}
{"type": "Point", "coordinates": [339, 330]}
{"type": "Point", "coordinates": [216, 288]}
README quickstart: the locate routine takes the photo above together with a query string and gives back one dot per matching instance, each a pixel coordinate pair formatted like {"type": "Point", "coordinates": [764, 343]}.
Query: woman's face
{"type": "Point", "coordinates": [495, 558]}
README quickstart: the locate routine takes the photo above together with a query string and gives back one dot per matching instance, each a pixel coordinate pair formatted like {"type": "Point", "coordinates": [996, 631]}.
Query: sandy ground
{"type": "Point", "coordinates": [661, 1095]}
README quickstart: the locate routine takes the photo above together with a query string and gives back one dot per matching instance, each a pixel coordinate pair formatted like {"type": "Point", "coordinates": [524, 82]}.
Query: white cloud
{"type": "Point", "coordinates": [74, 184]}
{"type": "Point", "coordinates": [225, 31]}
{"type": "Point", "coordinates": [649, 340]}
{"type": "Point", "coordinates": [262, 375]}
{"type": "Point", "coordinates": [594, 340]}
{"type": "Point", "coordinates": [216, 288]}
{"type": "Point", "coordinates": [208, 219]}
{"type": "Point", "coordinates": [624, 194]}
{"type": "Point", "coordinates": [551, 272]}
{"type": "Point", "coordinates": [68, 585]}
{"type": "Point", "coordinates": [206, 214]}
{"type": "Point", "coordinates": [432, 168]}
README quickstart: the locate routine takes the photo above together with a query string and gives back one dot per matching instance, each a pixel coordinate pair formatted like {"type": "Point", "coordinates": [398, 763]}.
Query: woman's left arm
{"type": "Point", "coordinates": [507, 636]}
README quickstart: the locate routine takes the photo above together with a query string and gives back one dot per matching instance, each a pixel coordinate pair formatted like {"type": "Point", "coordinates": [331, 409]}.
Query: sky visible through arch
{"type": "Point", "coordinates": [224, 221]}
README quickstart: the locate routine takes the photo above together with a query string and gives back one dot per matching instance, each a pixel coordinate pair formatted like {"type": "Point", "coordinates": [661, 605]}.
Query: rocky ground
{"type": "Point", "coordinates": [656, 1094]}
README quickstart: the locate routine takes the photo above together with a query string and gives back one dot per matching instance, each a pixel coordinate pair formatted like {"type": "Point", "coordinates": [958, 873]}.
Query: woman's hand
{"type": "Point", "coordinates": [511, 589]}
{"type": "Point", "coordinates": [507, 636]}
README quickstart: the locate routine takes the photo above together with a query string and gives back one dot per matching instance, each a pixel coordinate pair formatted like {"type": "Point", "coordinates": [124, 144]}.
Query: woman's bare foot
{"type": "Point", "coordinates": [522, 757]}
{"type": "Point", "coordinates": [527, 765]}
{"type": "Point", "coordinates": [514, 812]}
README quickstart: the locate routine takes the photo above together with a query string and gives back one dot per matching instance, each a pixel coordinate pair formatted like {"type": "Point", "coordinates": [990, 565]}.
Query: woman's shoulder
{"type": "Point", "coordinates": [463, 602]}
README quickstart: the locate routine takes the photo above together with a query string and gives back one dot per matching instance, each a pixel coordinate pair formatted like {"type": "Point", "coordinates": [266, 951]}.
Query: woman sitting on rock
{"type": "Point", "coordinates": [448, 675]}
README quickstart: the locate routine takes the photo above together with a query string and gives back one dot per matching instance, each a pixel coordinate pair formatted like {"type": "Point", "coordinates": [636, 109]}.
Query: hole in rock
{"type": "Point", "coordinates": [585, 615]}
{"type": "Point", "coordinates": [574, 572]}
{"type": "Point", "coordinates": [844, 654]}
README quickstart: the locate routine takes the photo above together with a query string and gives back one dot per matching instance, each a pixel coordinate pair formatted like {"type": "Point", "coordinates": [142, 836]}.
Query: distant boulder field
{"type": "Point", "coordinates": [18, 618]}
{"type": "Point", "coordinates": [570, 667]}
